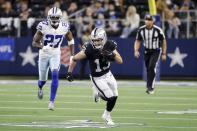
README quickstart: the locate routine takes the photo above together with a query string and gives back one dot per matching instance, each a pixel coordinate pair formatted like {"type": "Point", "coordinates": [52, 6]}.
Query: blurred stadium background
{"type": "Point", "coordinates": [19, 107]}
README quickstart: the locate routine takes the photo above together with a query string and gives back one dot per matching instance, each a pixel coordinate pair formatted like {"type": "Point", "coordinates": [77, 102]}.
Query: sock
{"type": "Point", "coordinates": [106, 112]}
{"type": "Point", "coordinates": [41, 84]}
{"type": "Point", "coordinates": [111, 103]}
{"type": "Point", "coordinates": [54, 85]}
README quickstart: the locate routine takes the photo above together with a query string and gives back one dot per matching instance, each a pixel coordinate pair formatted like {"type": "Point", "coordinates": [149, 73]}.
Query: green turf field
{"type": "Point", "coordinates": [173, 107]}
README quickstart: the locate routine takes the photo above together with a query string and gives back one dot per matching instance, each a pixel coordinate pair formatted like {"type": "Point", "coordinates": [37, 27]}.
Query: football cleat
{"type": "Point", "coordinates": [107, 119]}
{"type": "Point", "coordinates": [40, 93]}
{"type": "Point", "coordinates": [150, 92]}
{"type": "Point", "coordinates": [51, 105]}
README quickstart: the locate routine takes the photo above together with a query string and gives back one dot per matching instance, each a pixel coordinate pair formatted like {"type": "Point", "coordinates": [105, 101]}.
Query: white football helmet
{"type": "Point", "coordinates": [98, 38]}
{"type": "Point", "coordinates": [54, 16]}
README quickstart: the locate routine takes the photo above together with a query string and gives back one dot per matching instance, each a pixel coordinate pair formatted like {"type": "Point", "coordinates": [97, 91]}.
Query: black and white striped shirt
{"type": "Point", "coordinates": [152, 38]}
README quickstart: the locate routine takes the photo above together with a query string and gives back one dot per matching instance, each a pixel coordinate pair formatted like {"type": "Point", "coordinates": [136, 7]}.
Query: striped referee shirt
{"type": "Point", "coordinates": [152, 38]}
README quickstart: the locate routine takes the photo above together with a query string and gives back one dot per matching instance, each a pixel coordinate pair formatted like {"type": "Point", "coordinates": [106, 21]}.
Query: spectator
{"type": "Point", "coordinates": [185, 14]}
{"type": "Point", "coordinates": [72, 8]}
{"type": "Point", "coordinates": [161, 6]}
{"type": "Point", "coordinates": [113, 28]}
{"type": "Point", "coordinates": [174, 23]}
{"type": "Point", "coordinates": [88, 20]}
{"type": "Point", "coordinates": [24, 14]}
{"type": "Point", "coordinates": [131, 23]}
{"type": "Point", "coordinates": [100, 22]}
{"type": "Point", "coordinates": [98, 9]}
{"type": "Point", "coordinates": [6, 20]}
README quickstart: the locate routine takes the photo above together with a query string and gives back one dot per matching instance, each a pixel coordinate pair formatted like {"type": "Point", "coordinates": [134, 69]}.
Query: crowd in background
{"type": "Point", "coordinates": [120, 18]}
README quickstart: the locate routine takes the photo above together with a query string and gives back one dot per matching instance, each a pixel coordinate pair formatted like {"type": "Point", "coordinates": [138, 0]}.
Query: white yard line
{"type": "Point", "coordinates": [91, 125]}
{"type": "Point", "coordinates": [81, 109]}
{"type": "Point", "coordinates": [120, 103]}
{"type": "Point", "coordinates": [93, 116]}
{"type": "Point", "coordinates": [120, 97]}
{"type": "Point", "coordinates": [120, 82]}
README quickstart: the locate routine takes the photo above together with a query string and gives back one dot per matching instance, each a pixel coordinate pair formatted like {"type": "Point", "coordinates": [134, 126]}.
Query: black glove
{"type": "Point", "coordinates": [109, 46]}
{"type": "Point", "coordinates": [108, 55]}
{"type": "Point", "coordinates": [69, 76]}
{"type": "Point", "coordinates": [108, 49]}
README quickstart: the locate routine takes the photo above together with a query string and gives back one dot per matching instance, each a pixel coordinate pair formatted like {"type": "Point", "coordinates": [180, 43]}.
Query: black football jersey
{"type": "Point", "coordinates": [97, 63]}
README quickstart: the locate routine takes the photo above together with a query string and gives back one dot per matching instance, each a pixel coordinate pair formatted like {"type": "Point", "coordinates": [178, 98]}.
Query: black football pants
{"type": "Point", "coordinates": [151, 58]}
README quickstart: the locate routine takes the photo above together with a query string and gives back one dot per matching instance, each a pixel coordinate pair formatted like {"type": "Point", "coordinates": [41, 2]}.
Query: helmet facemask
{"type": "Point", "coordinates": [97, 43]}
{"type": "Point", "coordinates": [54, 20]}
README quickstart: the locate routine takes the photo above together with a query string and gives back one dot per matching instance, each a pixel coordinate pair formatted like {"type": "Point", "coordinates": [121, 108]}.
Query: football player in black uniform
{"type": "Point", "coordinates": [100, 52]}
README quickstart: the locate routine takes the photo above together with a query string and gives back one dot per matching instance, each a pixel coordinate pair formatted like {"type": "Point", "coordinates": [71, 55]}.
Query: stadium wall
{"type": "Point", "coordinates": [19, 58]}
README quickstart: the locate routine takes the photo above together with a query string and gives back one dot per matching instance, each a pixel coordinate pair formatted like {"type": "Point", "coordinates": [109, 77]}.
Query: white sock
{"type": "Point", "coordinates": [106, 112]}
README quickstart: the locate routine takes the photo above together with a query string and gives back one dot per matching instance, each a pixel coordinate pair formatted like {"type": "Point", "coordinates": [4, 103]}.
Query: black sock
{"type": "Point", "coordinates": [111, 103]}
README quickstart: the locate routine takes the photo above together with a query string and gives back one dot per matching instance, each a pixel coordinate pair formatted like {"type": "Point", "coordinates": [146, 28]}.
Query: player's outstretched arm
{"type": "Point", "coordinates": [37, 40]}
{"type": "Point", "coordinates": [79, 56]}
{"type": "Point", "coordinates": [117, 57]}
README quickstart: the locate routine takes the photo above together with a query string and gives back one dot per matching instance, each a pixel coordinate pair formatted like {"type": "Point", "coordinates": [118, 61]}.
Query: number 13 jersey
{"type": "Point", "coordinates": [98, 64]}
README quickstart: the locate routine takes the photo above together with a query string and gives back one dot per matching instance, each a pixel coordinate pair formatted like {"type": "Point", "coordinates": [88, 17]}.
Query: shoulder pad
{"type": "Point", "coordinates": [114, 43]}
{"type": "Point", "coordinates": [42, 25]}
{"type": "Point", "coordinates": [65, 25]}
{"type": "Point", "coordinates": [87, 45]}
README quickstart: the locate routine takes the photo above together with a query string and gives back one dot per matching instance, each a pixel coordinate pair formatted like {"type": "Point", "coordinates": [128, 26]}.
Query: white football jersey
{"type": "Point", "coordinates": [52, 38]}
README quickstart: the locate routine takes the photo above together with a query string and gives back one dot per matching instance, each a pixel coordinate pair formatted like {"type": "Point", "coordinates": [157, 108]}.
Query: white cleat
{"type": "Point", "coordinates": [150, 92]}
{"type": "Point", "coordinates": [107, 119]}
{"type": "Point", "coordinates": [40, 93]}
{"type": "Point", "coordinates": [51, 105]}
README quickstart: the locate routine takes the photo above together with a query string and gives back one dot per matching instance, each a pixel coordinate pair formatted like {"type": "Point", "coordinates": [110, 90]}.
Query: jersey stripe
{"type": "Point", "coordinates": [152, 38]}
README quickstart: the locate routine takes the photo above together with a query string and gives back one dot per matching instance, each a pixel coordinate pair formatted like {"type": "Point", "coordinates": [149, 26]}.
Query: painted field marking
{"type": "Point", "coordinates": [120, 103]}
{"type": "Point", "coordinates": [89, 124]}
{"type": "Point", "coordinates": [178, 112]}
{"type": "Point", "coordinates": [92, 116]}
{"type": "Point", "coordinates": [120, 97]}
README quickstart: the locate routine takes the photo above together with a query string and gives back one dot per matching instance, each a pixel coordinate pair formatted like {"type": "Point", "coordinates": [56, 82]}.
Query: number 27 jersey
{"type": "Point", "coordinates": [52, 38]}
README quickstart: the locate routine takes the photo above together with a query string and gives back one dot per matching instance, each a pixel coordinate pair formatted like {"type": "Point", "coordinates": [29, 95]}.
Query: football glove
{"type": "Point", "coordinates": [109, 46]}
{"type": "Point", "coordinates": [69, 76]}
{"type": "Point", "coordinates": [108, 55]}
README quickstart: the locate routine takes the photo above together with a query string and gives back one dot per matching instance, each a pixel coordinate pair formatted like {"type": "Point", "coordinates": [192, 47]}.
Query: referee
{"type": "Point", "coordinates": [155, 46]}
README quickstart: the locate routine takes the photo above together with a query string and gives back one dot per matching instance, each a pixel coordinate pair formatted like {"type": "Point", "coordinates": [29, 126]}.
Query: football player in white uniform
{"type": "Point", "coordinates": [100, 52]}
{"type": "Point", "coordinates": [48, 39]}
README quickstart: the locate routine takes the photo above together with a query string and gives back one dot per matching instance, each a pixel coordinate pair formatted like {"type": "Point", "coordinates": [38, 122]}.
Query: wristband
{"type": "Point", "coordinates": [71, 42]}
